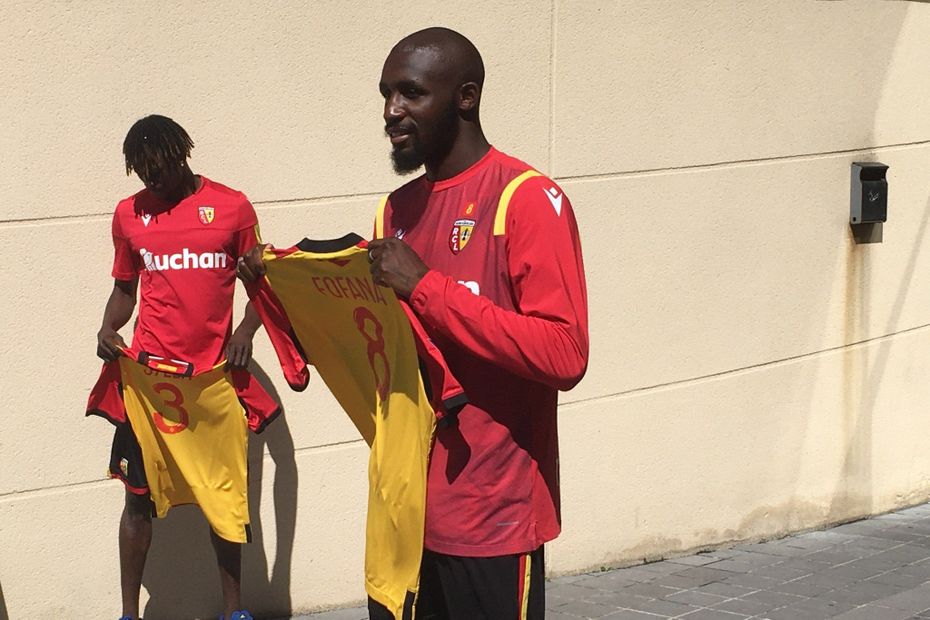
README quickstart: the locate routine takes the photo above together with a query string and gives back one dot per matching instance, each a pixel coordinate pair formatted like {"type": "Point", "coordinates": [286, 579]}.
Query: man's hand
{"type": "Point", "coordinates": [239, 348]}
{"type": "Point", "coordinates": [108, 344]}
{"type": "Point", "coordinates": [395, 264]}
{"type": "Point", "coordinates": [250, 266]}
{"type": "Point", "coordinates": [117, 313]}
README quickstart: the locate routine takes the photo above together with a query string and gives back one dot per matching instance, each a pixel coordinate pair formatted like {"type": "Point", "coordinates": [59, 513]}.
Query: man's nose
{"type": "Point", "coordinates": [392, 108]}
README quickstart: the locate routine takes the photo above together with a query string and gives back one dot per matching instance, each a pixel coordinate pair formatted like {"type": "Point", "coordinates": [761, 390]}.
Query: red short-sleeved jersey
{"type": "Point", "coordinates": [505, 303]}
{"type": "Point", "coordinates": [185, 258]}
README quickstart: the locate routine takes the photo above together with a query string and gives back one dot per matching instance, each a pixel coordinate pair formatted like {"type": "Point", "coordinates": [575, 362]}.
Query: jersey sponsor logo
{"type": "Point", "coordinates": [206, 214]}
{"type": "Point", "coordinates": [460, 235]}
{"type": "Point", "coordinates": [555, 198]}
{"type": "Point", "coordinates": [344, 287]}
{"type": "Point", "coordinates": [185, 259]}
{"type": "Point", "coordinates": [165, 365]}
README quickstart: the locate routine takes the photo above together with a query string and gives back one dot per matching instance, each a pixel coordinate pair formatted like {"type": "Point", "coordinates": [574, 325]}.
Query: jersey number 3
{"type": "Point", "coordinates": [177, 403]}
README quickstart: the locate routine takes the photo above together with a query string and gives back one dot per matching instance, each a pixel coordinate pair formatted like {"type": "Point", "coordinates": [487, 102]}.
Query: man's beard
{"type": "Point", "coordinates": [409, 160]}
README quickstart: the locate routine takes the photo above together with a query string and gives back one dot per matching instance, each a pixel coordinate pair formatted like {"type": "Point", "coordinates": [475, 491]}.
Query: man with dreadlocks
{"type": "Point", "coordinates": [180, 237]}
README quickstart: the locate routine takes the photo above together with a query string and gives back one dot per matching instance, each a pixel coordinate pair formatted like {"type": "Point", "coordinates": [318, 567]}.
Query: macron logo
{"type": "Point", "coordinates": [555, 198]}
{"type": "Point", "coordinates": [185, 259]}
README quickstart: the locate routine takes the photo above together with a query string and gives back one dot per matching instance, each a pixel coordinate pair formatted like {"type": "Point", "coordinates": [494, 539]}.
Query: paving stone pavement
{"type": "Point", "coordinates": [876, 569]}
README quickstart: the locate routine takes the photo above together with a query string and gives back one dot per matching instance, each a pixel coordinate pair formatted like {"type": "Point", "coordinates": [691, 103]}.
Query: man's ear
{"type": "Point", "coordinates": [469, 96]}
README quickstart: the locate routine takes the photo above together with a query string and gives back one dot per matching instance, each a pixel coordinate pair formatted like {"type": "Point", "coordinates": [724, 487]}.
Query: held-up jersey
{"type": "Point", "coordinates": [192, 431]}
{"type": "Point", "coordinates": [319, 303]}
{"type": "Point", "coordinates": [185, 258]}
{"type": "Point", "coordinates": [505, 303]}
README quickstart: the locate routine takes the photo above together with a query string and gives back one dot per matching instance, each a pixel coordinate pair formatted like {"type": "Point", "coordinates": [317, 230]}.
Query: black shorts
{"type": "Point", "coordinates": [507, 587]}
{"type": "Point", "coordinates": [126, 460]}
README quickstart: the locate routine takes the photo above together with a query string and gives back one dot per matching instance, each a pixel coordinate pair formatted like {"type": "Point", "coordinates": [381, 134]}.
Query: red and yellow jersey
{"type": "Point", "coordinates": [319, 304]}
{"type": "Point", "coordinates": [505, 303]}
{"type": "Point", "coordinates": [185, 258]}
{"type": "Point", "coordinates": [192, 432]}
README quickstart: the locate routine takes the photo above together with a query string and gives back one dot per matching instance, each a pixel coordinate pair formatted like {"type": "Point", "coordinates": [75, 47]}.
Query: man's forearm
{"type": "Point", "coordinates": [250, 322]}
{"type": "Point", "coordinates": [120, 305]}
{"type": "Point", "coordinates": [551, 350]}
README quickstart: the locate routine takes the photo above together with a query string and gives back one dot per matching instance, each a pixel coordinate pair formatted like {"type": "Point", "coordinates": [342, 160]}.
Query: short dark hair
{"type": "Point", "coordinates": [461, 55]}
{"type": "Point", "coordinates": [155, 139]}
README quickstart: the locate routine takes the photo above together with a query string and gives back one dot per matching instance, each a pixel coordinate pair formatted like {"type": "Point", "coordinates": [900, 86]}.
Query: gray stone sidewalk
{"type": "Point", "coordinates": [876, 569]}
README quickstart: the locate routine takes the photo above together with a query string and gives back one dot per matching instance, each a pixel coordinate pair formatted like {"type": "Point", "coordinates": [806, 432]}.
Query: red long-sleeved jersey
{"type": "Point", "coordinates": [505, 303]}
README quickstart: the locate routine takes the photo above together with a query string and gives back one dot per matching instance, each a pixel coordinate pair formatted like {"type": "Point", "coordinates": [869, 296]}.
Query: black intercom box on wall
{"type": "Point", "coordinates": [868, 193]}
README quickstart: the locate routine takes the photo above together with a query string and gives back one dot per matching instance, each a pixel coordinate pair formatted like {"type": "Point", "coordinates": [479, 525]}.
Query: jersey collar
{"type": "Point", "coordinates": [466, 174]}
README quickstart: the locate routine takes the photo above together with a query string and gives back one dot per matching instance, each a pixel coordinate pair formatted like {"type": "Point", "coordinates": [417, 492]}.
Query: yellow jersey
{"type": "Point", "coordinates": [192, 431]}
{"type": "Point", "coordinates": [320, 305]}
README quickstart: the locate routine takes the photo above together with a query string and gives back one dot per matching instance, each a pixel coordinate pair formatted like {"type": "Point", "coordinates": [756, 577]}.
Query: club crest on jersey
{"type": "Point", "coordinates": [460, 235]}
{"type": "Point", "coordinates": [206, 214]}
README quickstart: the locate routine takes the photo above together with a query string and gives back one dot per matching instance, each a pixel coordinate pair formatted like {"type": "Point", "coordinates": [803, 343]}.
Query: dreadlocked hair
{"type": "Point", "coordinates": [155, 141]}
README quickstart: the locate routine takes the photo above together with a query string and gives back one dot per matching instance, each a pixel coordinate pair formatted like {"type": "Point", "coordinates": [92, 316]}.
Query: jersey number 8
{"type": "Point", "coordinates": [363, 316]}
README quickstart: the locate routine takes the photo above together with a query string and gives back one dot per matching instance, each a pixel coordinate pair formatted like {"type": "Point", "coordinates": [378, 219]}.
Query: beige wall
{"type": "Point", "coordinates": [753, 370]}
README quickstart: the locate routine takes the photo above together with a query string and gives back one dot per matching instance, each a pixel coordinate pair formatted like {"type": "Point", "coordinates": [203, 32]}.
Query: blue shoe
{"type": "Point", "coordinates": [236, 615]}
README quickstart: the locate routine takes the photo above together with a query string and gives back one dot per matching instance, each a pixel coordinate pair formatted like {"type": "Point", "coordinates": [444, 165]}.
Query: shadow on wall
{"type": "Point", "coordinates": [862, 381]}
{"type": "Point", "coordinates": [264, 591]}
{"type": "Point", "coordinates": [807, 262]}
{"type": "Point", "coordinates": [4, 615]}
{"type": "Point", "coordinates": [839, 258]}
{"type": "Point", "coordinates": [863, 373]}
{"type": "Point", "coordinates": [852, 489]}
{"type": "Point", "coordinates": [181, 576]}
{"type": "Point", "coordinates": [849, 492]}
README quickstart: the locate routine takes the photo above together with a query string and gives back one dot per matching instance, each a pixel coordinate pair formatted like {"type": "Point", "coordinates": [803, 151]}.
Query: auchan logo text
{"type": "Point", "coordinates": [185, 259]}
